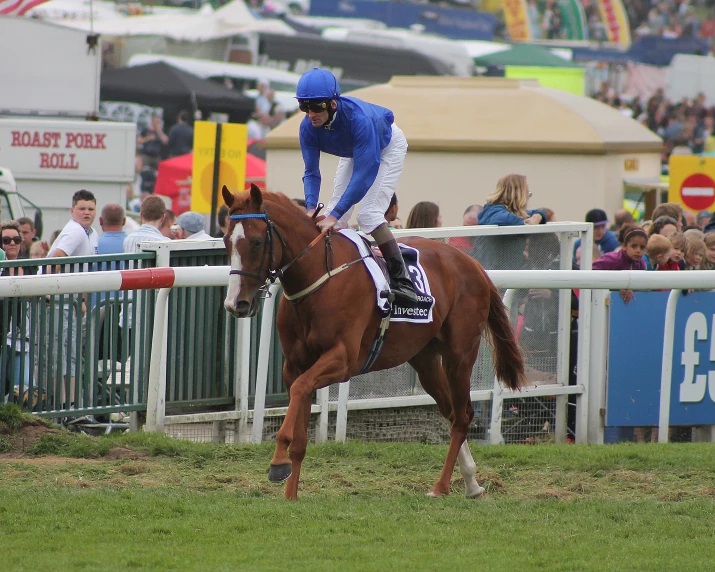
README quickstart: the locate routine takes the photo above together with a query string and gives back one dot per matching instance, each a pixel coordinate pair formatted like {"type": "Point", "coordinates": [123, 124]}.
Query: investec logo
{"type": "Point", "coordinates": [693, 387]}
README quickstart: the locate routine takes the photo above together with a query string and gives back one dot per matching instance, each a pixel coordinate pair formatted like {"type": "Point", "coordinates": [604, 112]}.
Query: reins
{"type": "Point", "coordinates": [277, 274]}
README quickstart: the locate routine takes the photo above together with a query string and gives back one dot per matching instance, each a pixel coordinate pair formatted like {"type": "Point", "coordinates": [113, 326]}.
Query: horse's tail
{"type": "Point", "coordinates": [508, 361]}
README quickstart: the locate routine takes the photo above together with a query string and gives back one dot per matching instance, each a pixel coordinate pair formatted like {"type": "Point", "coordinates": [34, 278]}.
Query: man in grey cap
{"type": "Point", "coordinates": [191, 226]}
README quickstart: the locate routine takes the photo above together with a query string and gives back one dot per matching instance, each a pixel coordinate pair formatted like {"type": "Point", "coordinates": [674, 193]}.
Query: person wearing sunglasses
{"type": "Point", "coordinates": [11, 241]}
{"type": "Point", "coordinates": [372, 153]}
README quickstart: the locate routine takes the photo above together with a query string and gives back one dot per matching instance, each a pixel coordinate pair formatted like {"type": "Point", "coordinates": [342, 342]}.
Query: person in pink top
{"type": "Point", "coordinates": [630, 257]}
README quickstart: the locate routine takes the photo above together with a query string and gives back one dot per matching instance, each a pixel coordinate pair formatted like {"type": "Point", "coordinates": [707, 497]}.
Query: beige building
{"type": "Point", "coordinates": [465, 133]}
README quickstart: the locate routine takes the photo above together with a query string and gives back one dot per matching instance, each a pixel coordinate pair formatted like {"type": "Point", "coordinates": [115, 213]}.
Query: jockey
{"type": "Point", "coordinates": [372, 153]}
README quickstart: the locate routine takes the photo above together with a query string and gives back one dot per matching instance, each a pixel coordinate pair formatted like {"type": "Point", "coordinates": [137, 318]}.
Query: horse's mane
{"type": "Point", "coordinates": [281, 199]}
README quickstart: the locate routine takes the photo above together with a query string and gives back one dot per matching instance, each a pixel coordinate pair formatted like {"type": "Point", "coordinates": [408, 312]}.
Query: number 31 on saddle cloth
{"type": "Point", "coordinates": [420, 313]}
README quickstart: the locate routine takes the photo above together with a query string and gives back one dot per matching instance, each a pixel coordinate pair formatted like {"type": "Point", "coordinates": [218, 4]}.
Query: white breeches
{"type": "Point", "coordinates": [371, 213]}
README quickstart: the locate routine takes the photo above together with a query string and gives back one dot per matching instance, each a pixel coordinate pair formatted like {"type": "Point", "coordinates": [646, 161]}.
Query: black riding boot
{"type": "Point", "coordinates": [400, 282]}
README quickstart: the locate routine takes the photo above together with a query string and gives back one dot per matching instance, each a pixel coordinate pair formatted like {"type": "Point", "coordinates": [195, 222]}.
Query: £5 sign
{"type": "Point", "coordinates": [694, 386]}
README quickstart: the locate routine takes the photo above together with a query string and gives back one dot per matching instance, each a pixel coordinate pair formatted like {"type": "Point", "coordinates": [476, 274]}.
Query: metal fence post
{"type": "Point", "coordinates": [156, 401]}
{"type": "Point", "coordinates": [323, 401]}
{"type": "Point", "coordinates": [495, 434]}
{"type": "Point", "coordinates": [590, 420]}
{"type": "Point", "coordinates": [666, 374]}
{"type": "Point", "coordinates": [341, 423]}
{"type": "Point", "coordinates": [264, 353]}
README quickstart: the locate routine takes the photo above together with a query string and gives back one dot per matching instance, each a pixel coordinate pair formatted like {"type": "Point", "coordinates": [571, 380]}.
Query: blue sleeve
{"type": "Point", "coordinates": [542, 213]}
{"type": "Point", "coordinates": [506, 218]}
{"type": "Point", "coordinates": [366, 162]}
{"type": "Point", "coordinates": [311, 177]}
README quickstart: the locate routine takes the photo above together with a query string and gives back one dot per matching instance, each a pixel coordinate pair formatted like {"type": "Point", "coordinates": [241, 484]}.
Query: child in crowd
{"type": "Point", "coordinates": [657, 252]}
{"type": "Point", "coordinates": [708, 263]}
{"type": "Point", "coordinates": [677, 256]}
{"type": "Point", "coordinates": [38, 250]}
{"type": "Point", "coordinates": [694, 253]}
{"type": "Point", "coordinates": [630, 257]}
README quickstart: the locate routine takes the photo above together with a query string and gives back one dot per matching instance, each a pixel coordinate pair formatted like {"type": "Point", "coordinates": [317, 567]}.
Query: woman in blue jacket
{"type": "Point", "coordinates": [506, 206]}
{"type": "Point", "coordinates": [372, 153]}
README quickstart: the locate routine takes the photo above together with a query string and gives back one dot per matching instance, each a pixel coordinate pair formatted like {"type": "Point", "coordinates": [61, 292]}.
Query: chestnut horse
{"type": "Point", "coordinates": [327, 333]}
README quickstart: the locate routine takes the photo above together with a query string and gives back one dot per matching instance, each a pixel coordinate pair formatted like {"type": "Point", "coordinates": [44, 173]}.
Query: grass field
{"type": "Point", "coordinates": [72, 502]}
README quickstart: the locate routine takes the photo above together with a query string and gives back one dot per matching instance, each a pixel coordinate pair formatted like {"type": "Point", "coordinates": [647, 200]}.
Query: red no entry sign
{"type": "Point", "coordinates": [698, 191]}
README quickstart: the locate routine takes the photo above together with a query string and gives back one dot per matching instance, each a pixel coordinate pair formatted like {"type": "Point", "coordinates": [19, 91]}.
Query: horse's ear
{"type": "Point", "coordinates": [256, 195]}
{"type": "Point", "coordinates": [227, 196]}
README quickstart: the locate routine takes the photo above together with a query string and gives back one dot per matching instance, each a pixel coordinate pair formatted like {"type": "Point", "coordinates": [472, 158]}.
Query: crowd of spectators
{"type": "Point", "coordinates": [686, 126]}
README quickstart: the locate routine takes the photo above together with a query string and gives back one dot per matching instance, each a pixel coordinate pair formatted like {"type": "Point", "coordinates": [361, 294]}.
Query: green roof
{"type": "Point", "coordinates": [525, 55]}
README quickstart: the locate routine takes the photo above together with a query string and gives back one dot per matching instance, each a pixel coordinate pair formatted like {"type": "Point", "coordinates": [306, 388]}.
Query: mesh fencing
{"type": "Point", "coordinates": [542, 320]}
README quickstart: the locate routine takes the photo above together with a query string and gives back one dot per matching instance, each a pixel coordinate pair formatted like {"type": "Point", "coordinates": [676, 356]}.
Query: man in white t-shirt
{"type": "Point", "coordinates": [77, 238]}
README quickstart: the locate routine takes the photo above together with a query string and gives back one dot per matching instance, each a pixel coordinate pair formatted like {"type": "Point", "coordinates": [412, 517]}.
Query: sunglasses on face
{"type": "Point", "coordinates": [11, 239]}
{"type": "Point", "coordinates": [307, 105]}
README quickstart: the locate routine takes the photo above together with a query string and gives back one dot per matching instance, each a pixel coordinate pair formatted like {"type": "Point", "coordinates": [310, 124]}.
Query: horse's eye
{"type": "Point", "coordinates": [256, 243]}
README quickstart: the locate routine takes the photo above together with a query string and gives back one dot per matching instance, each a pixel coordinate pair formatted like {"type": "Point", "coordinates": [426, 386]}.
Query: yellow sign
{"type": "Point", "coordinates": [232, 166]}
{"type": "Point", "coordinates": [630, 164]}
{"type": "Point", "coordinates": [692, 182]}
{"type": "Point", "coordinates": [516, 15]}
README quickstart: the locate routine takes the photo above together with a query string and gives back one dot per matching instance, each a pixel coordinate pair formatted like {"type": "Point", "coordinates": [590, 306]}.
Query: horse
{"type": "Point", "coordinates": [327, 322]}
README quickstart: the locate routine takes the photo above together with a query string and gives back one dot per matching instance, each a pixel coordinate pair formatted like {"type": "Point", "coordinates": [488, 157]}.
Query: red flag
{"type": "Point", "coordinates": [18, 7]}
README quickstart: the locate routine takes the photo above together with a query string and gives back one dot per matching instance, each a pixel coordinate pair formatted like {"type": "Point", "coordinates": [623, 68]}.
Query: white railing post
{"type": "Point", "coordinates": [323, 401]}
{"type": "Point", "coordinates": [243, 342]}
{"type": "Point", "coordinates": [264, 353]}
{"type": "Point", "coordinates": [156, 399]}
{"type": "Point", "coordinates": [596, 369]}
{"type": "Point", "coordinates": [666, 372]}
{"type": "Point", "coordinates": [564, 340]}
{"type": "Point", "coordinates": [495, 435]}
{"type": "Point", "coordinates": [341, 423]}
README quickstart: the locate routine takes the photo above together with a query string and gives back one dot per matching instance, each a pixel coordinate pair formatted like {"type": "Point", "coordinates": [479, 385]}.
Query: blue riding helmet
{"type": "Point", "coordinates": [317, 84]}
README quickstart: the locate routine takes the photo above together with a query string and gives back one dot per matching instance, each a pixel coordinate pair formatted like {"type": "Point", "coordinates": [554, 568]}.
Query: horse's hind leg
{"type": "Point", "coordinates": [468, 469]}
{"type": "Point", "coordinates": [458, 370]}
{"type": "Point", "coordinates": [435, 383]}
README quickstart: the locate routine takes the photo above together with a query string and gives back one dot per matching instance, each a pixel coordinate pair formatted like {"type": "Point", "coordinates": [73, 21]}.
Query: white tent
{"type": "Point", "coordinates": [181, 25]}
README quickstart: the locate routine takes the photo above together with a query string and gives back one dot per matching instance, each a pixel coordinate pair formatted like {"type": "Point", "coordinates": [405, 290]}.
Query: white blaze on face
{"type": "Point", "coordinates": [234, 280]}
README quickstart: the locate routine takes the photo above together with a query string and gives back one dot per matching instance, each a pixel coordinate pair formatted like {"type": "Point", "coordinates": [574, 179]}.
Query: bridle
{"type": "Point", "coordinates": [274, 274]}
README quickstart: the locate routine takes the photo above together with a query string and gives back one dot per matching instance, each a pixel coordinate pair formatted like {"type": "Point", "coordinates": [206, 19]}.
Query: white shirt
{"type": "Point", "coordinates": [201, 235]}
{"type": "Point", "coordinates": [145, 233]}
{"type": "Point", "coordinates": [74, 240]}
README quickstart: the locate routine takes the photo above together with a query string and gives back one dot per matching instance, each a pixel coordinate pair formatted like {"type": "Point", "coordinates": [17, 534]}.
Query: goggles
{"type": "Point", "coordinates": [11, 239]}
{"type": "Point", "coordinates": [314, 105]}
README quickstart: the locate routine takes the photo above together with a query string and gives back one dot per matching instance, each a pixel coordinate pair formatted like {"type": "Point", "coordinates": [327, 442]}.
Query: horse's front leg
{"type": "Point", "coordinates": [332, 367]}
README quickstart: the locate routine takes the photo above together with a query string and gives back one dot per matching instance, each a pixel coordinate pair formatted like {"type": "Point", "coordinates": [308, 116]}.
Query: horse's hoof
{"type": "Point", "coordinates": [435, 494]}
{"type": "Point", "coordinates": [475, 494]}
{"type": "Point", "coordinates": [279, 473]}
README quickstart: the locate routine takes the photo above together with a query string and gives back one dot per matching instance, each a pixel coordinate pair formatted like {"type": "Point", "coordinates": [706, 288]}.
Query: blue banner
{"type": "Point", "coordinates": [635, 350]}
{"type": "Point", "coordinates": [449, 22]}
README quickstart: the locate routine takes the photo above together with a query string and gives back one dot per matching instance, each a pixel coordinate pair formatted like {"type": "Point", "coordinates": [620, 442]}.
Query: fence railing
{"type": "Point", "coordinates": [237, 380]}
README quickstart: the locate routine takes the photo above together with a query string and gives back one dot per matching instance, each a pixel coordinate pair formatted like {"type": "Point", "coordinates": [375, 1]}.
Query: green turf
{"type": "Point", "coordinates": [362, 507]}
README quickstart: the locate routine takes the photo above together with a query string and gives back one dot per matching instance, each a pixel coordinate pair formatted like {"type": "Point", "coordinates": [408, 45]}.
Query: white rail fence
{"type": "Point", "coordinates": [590, 387]}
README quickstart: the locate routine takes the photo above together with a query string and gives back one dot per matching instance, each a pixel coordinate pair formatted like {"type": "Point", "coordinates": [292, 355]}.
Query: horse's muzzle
{"type": "Point", "coordinates": [244, 309]}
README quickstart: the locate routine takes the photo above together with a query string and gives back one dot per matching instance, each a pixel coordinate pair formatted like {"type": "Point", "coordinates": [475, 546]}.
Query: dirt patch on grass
{"type": "Point", "coordinates": [119, 453]}
{"type": "Point", "coordinates": [29, 434]}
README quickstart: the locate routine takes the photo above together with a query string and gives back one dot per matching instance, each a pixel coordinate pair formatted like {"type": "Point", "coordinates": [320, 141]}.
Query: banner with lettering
{"type": "Point", "coordinates": [635, 360]}
{"type": "Point", "coordinates": [564, 19]}
{"type": "Point", "coordinates": [615, 22]}
{"type": "Point", "coordinates": [68, 150]}
{"type": "Point", "coordinates": [232, 165]}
